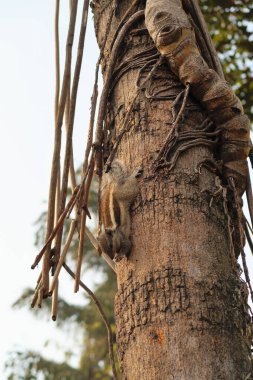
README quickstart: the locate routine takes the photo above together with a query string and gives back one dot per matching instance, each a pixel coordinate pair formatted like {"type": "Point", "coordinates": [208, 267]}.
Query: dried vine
{"type": "Point", "coordinates": [57, 148]}
{"type": "Point", "coordinates": [186, 140]}
{"type": "Point", "coordinates": [241, 222]}
{"type": "Point", "coordinates": [83, 200]}
{"type": "Point", "coordinates": [126, 125]}
{"type": "Point", "coordinates": [80, 193]}
{"type": "Point", "coordinates": [63, 257]}
{"type": "Point", "coordinates": [59, 224]}
{"type": "Point", "coordinates": [132, 8]}
{"type": "Point", "coordinates": [90, 171]}
{"type": "Point", "coordinates": [104, 96]}
{"type": "Point", "coordinates": [175, 124]}
{"type": "Point", "coordinates": [56, 109]}
{"type": "Point", "coordinates": [101, 312]}
{"type": "Point", "coordinates": [249, 197]}
{"type": "Point", "coordinates": [68, 150]}
{"type": "Point", "coordinates": [229, 228]}
{"type": "Point", "coordinates": [143, 59]}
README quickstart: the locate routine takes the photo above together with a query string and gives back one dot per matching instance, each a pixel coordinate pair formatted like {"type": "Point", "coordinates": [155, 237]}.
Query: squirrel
{"type": "Point", "coordinates": [119, 187]}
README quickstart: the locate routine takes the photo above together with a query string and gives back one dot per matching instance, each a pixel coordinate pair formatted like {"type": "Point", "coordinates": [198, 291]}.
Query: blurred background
{"type": "Point", "coordinates": [32, 346]}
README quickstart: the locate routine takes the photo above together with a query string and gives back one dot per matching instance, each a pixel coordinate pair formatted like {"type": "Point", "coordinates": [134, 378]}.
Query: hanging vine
{"type": "Point", "coordinates": [206, 84]}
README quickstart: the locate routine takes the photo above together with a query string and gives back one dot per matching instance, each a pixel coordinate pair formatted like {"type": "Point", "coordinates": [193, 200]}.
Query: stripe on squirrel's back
{"type": "Point", "coordinates": [105, 208]}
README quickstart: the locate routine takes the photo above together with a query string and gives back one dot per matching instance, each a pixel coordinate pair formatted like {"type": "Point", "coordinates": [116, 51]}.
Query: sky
{"type": "Point", "coordinates": [27, 83]}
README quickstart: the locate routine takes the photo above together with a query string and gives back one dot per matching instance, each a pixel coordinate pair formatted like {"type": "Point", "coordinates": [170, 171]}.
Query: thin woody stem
{"type": "Point", "coordinates": [95, 244]}
{"type": "Point", "coordinates": [85, 167]}
{"type": "Point", "coordinates": [58, 225]}
{"type": "Point", "coordinates": [57, 60]}
{"type": "Point", "coordinates": [101, 312]}
{"type": "Point", "coordinates": [93, 109]}
{"type": "Point", "coordinates": [103, 101]}
{"type": "Point", "coordinates": [68, 150]}
{"type": "Point", "coordinates": [174, 128]}
{"type": "Point", "coordinates": [83, 224]}
{"type": "Point", "coordinates": [54, 307]}
{"type": "Point", "coordinates": [40, 296]}
{"type": "Point", "coordinates": [35, 296]}
{"type": "Point", "coordinates": [249, 196]}
{"type": "Point", "coordinates": [126, 15]}
{"type": "Point", "coordinates": [72, 174]}
{"type": "Point", "coordinates": [66, 117]}
{"type": "Point", "coordinates": [54, 311]}
{"type": "Point", "coordinates": [128, 114]}
{"type": "Point", "coordinates": [241, 224]}
{"type": "Point", "coordinates": [57, 146]}
{"type": "Point", "coordinates": [63, 256]}
{"type": "Point", "coordinates": [56, 101]}
{"type": "Point", "coordinates": [247, 233]}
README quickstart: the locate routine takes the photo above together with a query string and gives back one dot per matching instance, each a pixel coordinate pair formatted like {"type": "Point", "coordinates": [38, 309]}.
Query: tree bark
{"type": "Point", "coordinates": [181, 310]}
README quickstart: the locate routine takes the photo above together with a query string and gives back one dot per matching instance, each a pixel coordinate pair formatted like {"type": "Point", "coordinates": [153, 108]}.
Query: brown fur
{"type": "Point", "coordinates": [118, 190]}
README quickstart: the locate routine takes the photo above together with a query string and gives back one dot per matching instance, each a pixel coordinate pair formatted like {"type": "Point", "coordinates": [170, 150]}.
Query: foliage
{"type": "Point", "coordinates": [95, 337]}
{"type": "Point", "coordinates": [32, 366]}
{"type": "Point", "coordinates": [68, 312]}
{"type": "Point", "coordinates": [230, 23]}
{"type": "Point", "coordinates": [94, 360]}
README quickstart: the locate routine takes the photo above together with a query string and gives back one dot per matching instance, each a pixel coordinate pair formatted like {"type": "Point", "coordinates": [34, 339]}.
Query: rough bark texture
{"type": "Point", "coordinates": [181, 309]}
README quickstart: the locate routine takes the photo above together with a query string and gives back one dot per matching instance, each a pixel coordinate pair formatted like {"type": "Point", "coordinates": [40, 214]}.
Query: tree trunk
{"type": "Point", "coordinates": [181, 310]}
